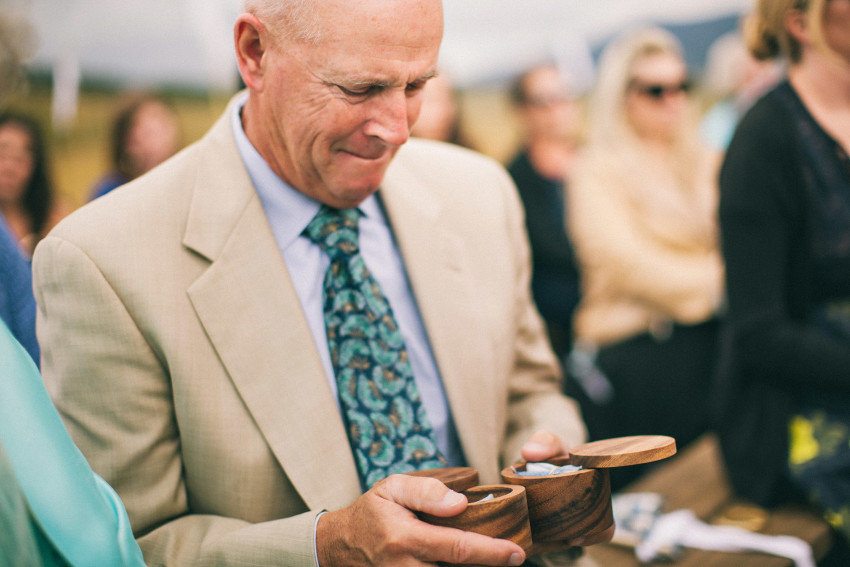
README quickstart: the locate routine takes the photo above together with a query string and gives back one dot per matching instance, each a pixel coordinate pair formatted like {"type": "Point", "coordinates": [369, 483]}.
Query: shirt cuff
{"type": "Point", "coordinates": [315, 526]}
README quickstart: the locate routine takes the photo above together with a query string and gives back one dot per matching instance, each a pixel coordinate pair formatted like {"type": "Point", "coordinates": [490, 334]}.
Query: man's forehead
{"type": "Point", "coordinates": [405, 17]}
{"type": "Point", "coordinates": [360, 43]}
{"type": "Point", "coordinates": [373, 64]}
{"type": "Point", "coordinates": [369, 24]}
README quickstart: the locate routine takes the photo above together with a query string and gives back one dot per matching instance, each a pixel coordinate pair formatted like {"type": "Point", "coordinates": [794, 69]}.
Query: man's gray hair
{"type": "Point", "coordinates": [295, 20]}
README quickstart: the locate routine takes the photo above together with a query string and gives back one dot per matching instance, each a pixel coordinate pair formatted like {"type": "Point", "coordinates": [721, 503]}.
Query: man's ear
{"type": "Point", "coordinates": [252, 40]}
{"type": "Point", "coordinates": [796, 22]}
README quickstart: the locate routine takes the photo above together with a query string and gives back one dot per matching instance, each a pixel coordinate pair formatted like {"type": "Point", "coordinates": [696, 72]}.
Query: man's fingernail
{"type": "Point", "coordinates": [536, 447]}
{"type": "Point", "coordinates": [453, 498]}
{"type": "Point", "coordinates": [516, 559]}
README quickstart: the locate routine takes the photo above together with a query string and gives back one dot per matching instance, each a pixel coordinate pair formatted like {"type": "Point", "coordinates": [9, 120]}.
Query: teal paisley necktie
{"type": "Point", "coordinates": [387, 424]}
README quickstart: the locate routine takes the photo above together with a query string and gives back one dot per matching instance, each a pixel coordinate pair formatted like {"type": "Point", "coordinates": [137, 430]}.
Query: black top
{"type": "Point", "coordinates": [555, 278]}
{"type": "Point", "coordinates": [785, 226]}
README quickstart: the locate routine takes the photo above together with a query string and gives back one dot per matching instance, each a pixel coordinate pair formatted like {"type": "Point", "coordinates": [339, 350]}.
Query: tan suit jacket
{"type": "Point", "coordinates": [647, 247]}
{"type": "Point", "coordinates": [177, 352]}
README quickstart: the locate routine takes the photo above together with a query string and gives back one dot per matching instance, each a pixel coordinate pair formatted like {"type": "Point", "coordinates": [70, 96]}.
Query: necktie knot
{"type": "Point", "coordinates": [335, 231]}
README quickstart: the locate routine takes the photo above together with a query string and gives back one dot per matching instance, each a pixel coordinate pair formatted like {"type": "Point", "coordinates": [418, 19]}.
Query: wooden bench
{"type": "Point", "coordinates": [695, 479]}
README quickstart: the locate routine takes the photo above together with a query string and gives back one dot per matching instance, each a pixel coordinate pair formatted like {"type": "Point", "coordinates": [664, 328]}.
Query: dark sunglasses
{"type": "Point", "coordinates": [658, 91]}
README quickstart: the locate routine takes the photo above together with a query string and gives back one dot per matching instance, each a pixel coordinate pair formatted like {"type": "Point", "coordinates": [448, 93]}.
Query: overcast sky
{"type": "Point", "coordinates": [188, 42]}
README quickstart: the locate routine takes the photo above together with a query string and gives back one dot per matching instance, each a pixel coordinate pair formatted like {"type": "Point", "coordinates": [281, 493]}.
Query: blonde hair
{"type": "Point", "coordinates": [609, 126]}
{"type": "Point", "coordinates": [767, 36]}
{"type": "Point", "coordinates": [672, 197]}
{"type": "Point", "coordinates": [295, 20]}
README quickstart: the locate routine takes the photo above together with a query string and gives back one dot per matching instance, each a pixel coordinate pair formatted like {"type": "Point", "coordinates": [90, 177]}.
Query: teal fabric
{"type": "Point", "coordinates": [18, 539]}
{"type": "Point", "coordinates": [71, 510]}
{"type": "Point", "coordinates": [387, 424]}
{"type": "Point", "coordinates": [22, 543]}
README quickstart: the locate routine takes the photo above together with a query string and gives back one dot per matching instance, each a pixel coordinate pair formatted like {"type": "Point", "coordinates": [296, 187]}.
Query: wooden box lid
{"type": "Point", "coordinates": [623, 451]}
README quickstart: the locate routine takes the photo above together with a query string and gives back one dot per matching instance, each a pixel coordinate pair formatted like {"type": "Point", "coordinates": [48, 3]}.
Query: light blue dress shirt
{"type": "Point", "coordinates": [288, 212]}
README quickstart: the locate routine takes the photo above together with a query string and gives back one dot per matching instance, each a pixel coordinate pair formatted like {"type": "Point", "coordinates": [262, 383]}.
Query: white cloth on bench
{"type": "Point", "coordinates": [683, 528]}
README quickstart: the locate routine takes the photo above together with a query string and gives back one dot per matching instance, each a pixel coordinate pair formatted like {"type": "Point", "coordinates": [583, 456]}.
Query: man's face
{"type": "Point", "coordinates": [656, 99]}
{"type": "Point", "coordinates": [17, 162]}
{"type": "Point", "coordinates": [334, 113]}
{"type": "Point", "coordinates": [550, 111]}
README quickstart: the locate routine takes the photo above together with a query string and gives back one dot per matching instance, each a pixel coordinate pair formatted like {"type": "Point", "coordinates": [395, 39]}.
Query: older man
{"type": "Point", "coordinates": [250, 336]}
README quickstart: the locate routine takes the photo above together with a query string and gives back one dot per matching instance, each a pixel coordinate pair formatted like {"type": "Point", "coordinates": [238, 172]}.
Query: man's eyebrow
{"type": "Point", "coordinates": [426, 77]}
{"type": "Point", "coordinates": [365, 82]}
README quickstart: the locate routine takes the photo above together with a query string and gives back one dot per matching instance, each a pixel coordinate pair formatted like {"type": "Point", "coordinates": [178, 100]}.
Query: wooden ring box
{"type": "Point", "coordinates": [559, 508]}
{"type": "Point", "coordinates": [505, 516]}
{"type": "Point", "coordinates": [572, 505]}
{"type": "Point", "coordinates": [568, 505]}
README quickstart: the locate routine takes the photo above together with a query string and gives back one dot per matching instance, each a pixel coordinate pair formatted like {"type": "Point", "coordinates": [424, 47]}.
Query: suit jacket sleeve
{"type": "Point", "coordinates": [536, 401]}
{"type": "Point", "coordinates": [113, 392]}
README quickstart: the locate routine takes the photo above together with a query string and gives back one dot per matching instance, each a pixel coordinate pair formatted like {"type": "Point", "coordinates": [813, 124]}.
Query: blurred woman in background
{"type": "Point", "coordinates": [439, 118]}
{"type": "Point", "coordinates": [551, 118]}
{"type": "Point", "coordinates": [785, 222]}
{"type": "Point", "coordinates": [27, 200]}
{"type": "Point", "coordinates": [642, 206]}
{"type": "Point", "coordinates": [145, 132]}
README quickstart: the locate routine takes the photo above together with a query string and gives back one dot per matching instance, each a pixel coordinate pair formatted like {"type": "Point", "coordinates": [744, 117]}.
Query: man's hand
{"type": "Point", "coordinates": [380, 528]}
{"type": "Point", "coordinates": [542, 446]}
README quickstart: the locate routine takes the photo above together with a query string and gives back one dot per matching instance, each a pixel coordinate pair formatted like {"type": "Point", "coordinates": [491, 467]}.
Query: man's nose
{"type": "Point", "coordinates": [390, 117]}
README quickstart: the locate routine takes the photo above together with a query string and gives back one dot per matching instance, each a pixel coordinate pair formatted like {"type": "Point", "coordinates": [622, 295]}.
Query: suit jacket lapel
{"type": "Point", "coordinates": [435, 258]}
{"type": "Point", "coordinates": [251, 313]}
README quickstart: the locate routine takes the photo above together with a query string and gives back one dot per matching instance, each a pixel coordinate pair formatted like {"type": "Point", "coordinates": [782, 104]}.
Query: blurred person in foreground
{"type": "Point", "coordinates": [28, 201]}
{"type": "Point", "coordinates": [17, 304]}
{"type": "Point", "coordinates": [641, 213]}
{"type": "Point", "coordinates": [53, 510]}
{"type": "Point", "coordinates": [785, 225]}
{"type": "Point", "coordinates": [550, 117]}
{"type": "Point", "coordinates": [224, 359]}
{"type": "Point", "coordinates": [145, 132]}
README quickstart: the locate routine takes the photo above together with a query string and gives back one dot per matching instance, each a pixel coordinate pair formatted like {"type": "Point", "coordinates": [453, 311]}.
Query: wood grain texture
{"type": "Point", "coordinates": [623, 451]}
{"type": "Point", "coordinates": [566, 506]}
{"type": "Point", "coordinates": [456, 478]}
{"type": "Point", "coordinates": [504, 517]}
{"type": "Point", "coordinates": [696, 479]}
